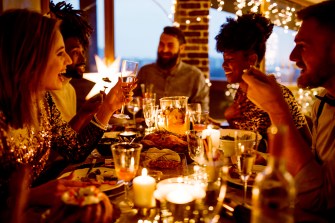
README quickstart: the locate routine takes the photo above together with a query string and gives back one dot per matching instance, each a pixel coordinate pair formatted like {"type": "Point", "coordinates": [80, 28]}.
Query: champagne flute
{"type": "Point", "coordinates": [126, 158]}
{"type": "Point", "coordinates": [128, 77]}
{"type": "Point", "coordinates": [246, 155]}
{"type": "Point", "coordinates": [134, 106]}
{"type": "Point", "coordinates": [150, 115]}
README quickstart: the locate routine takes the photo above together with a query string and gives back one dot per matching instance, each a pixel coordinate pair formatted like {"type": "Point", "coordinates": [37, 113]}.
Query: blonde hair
{"type": "Point", "coordinates": [25, 43]}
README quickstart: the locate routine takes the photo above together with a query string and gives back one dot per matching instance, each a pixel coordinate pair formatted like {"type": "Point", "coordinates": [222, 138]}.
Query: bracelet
{"type": "Point", "coordinates": [99, 124]}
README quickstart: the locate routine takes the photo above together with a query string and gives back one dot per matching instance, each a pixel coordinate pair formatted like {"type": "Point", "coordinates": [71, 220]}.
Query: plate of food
{"type": "Point", "coordinates": [234, 176]}
{"type": "Point", "coordinates": [168, 162]}
{"type": "Point", "coordinates": [102, 177]}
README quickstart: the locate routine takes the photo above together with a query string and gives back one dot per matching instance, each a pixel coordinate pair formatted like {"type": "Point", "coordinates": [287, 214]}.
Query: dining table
{"type": "Point", "coordinates": [233, 210]}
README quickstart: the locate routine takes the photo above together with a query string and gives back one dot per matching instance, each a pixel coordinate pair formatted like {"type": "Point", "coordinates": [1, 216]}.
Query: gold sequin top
{"type": "Point", "coordinates": [32, 147]}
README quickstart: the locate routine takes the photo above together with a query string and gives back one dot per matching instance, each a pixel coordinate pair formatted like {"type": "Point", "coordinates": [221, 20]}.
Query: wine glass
{"type": "Point", "coordinates": [134, 106]}
{"type": "Point", "coordinates": [246, 155]}
{"type": "Point", "coordinates": [196, 147]}
{"type": "Point", "coordinates": [126, 158]}
{"type": "Point", "coordinates": [128, 77]}
{"type": "Point", "coordinates": [150, 115]}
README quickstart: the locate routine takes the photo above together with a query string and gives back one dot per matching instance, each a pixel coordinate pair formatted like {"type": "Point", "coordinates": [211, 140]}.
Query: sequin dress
{"type": "Point", "coordinates": [31, 146]}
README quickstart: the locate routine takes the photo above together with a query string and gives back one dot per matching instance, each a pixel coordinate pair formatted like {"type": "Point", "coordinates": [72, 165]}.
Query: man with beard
{"type": "Point", "coordinates": [76, 33]}
{"type": "Point", "coordinates": [169, 76]}
{"type": "Point", "coordinates": [314, 53]}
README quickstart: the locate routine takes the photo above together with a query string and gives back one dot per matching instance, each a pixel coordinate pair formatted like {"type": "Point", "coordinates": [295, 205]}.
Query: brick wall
{"type": "Point", "coordinates": [192, 15]}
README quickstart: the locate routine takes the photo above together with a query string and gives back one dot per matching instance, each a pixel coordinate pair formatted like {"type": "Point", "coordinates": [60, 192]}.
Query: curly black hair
{"type": "Point", "coordinates": [74, 23]}
{"type": "Point", "coordinates": [248, 32]}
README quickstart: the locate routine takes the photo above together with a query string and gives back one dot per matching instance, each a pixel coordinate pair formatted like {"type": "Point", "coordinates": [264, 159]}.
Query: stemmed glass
{"type": "Point", "coordinates": [134, 106]}
{"type": "Point", "coordinates": [128, 77]}
{"type": "Point", "coordinates": [246, 155]}
{"type": "Point", "coordinates": [150, 116]}
{"type": "Point", "coordinates": [196, 147]}
{"type": "Point", "coordinates": [126, 158]}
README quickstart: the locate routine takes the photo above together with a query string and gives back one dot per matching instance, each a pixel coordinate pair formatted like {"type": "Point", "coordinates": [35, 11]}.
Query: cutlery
{"type": "Point", "coordinates": [91, 167]}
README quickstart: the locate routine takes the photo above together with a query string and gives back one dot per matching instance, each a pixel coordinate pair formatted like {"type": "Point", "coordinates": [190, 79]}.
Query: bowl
{"type": "Point", "coordinates": [227, 139]}
{"type": "Point", "coordinates": [105, 143]}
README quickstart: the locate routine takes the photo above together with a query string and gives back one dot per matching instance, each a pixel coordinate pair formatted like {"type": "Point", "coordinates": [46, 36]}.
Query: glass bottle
{"type": "Point", "coordinates": [273, 192]}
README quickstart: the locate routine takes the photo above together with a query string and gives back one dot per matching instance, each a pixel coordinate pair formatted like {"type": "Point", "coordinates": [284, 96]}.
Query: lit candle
{"type": "Point", "coordinates": [179, 196]}
{"type": "Point", "coordinates": [127, 133]}
{"type": "Point", "coordinates": [144, 187]}
{"type": "Point", "coordinates": [127, 136]}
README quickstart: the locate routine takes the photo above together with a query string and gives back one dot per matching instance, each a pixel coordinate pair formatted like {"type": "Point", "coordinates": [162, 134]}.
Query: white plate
{"type": "Point", "coordinates": [79, 173]}
{"type": "Point", "coordinates": [237, 181]}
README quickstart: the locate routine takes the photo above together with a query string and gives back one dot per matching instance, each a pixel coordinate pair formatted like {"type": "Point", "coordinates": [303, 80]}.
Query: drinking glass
{"type": "Point", "coordinates": [128, 77]}
{"type": "Point", "coordinates": [246, 155]}
{"type": "Point", "coordinates": [134, 106]}
{"type": "Point", "coordinates": [150, 115]}
{"type": "Point", "coordinates": [147, 91]}
{"type": "Point", "coordinates": [196, 146]}
{"type": "Point", "coordinates": [174, 110]}
{"type": "Point", "coordinates": [126, 158]}
{"type": "Point", "coordinates": [200, 120]}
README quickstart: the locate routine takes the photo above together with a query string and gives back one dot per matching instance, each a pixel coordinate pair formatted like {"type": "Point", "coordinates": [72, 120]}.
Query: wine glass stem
{"type": "Point", "coordinates": [134, 117]}
{"type": "Point", "coordinates": [245, 191]}
{"type": "Point", "coordinates": [122, 109]}
{"type": "Point", "coordinates": [126, 189]}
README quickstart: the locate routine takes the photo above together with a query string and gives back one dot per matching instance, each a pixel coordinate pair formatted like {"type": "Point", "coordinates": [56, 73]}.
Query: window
{"type": "Point", "coordinates": [138, 25]}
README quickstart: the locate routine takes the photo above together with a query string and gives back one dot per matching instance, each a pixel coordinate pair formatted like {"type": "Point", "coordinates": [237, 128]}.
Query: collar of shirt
{"type": "Point", "coordinates": [326, 99]}
{"type": "Point", "coordinates": [172, 72]}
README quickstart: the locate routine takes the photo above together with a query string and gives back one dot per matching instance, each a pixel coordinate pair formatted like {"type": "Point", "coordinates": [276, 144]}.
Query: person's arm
{"type": "Point", "coordinates": [265, 92]}
{"type": "Point", "coordinates": [86, 112]}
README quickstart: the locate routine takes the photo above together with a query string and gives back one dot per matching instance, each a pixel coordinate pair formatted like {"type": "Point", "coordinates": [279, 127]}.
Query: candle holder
{"type": "Point", "coordinates": [127, 136]}
{"type": "Point", "coordinates": [146, 213]}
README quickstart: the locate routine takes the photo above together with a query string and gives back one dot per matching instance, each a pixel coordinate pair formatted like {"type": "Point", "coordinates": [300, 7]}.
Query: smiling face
{"type": "Point", "coordinates": [77, 53]}
{"type": "Point", "coordinates": [56, 66]}
{"type": "Point", "coordinates": [234, 62]}
{"type": "Point", "coordinates": [168, 51]}
{"type": "Point", "coordinates": [314, 54]}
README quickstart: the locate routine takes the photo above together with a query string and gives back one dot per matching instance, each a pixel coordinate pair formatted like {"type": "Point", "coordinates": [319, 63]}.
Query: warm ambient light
{"type": "Point", "coordinates": [105, 79]}
{"type": "Point", "coordinates": [144, 187]}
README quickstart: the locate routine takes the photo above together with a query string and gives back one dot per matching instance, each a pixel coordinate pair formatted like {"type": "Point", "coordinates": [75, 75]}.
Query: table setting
{"type": "Point", "coordinates": [174, 172]}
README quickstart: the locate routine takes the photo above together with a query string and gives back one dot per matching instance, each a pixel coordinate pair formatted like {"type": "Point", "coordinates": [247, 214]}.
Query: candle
{"type": "Point", "coordinates": [179, 196]}
{"type": "Point", "coordinates": [195, 190]}
{"type": "Point", "coordinates": [127, 136]}
{"type": "Point", "coordinates": [214, 134]}
{"type": "Point", "coordinates": [127, 133]}
{"type": "Point", "coordinates": [144, 187]}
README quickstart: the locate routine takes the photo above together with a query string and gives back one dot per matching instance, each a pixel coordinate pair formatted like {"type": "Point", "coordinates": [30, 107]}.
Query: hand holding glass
{"type": "Point", "coordinates": [128, 77]}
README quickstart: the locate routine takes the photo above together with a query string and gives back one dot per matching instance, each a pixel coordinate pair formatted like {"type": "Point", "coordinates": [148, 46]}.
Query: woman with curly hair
{"type": "Point", "coordinates": [243, 44]}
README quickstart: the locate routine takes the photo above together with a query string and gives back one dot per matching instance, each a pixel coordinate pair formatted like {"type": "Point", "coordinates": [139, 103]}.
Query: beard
{"type": "Point", "coordinates": [74, 72]}
{"type": "Point", "coordinates": [317, 78]}
{"type": "Point", "coordinates": [167, 63]}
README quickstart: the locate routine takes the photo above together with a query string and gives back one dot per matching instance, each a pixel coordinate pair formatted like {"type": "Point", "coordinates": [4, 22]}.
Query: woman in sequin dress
{"type": "Point", "coordinates": [243, 43]}
{"type": "Point", "coordinates": [32, 59]}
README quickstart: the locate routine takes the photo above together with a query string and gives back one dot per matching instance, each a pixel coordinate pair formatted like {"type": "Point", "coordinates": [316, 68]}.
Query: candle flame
{"type": "Point", "coordinates": [144, 172]}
